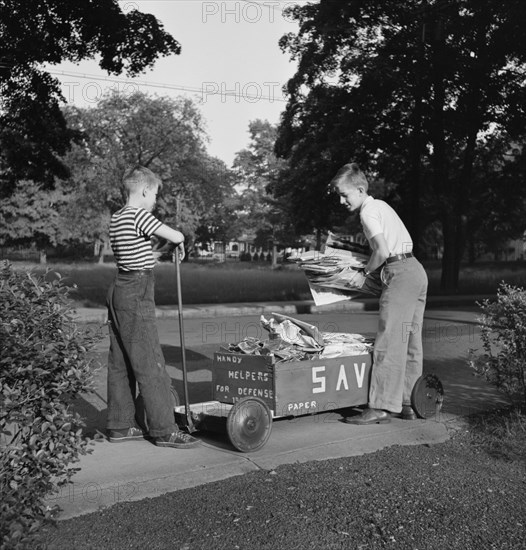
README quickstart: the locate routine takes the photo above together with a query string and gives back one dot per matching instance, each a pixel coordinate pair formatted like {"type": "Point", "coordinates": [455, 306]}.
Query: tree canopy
{"type": "Point", "coordinates": [32, 215]}
{"type": "Point", "coordinates": [257, 169]}
{"type": "Point", "coordinates": [163, 134]}
{"type": "Point", "coordinates": [411, 91]}
{"type": "Point", "coordinates": [33, 132]}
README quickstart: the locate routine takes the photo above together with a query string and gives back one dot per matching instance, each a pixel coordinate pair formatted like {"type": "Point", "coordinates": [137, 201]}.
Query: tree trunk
{"type": "Point", "coordinates": [471, 251]}
{"type": "Point", "coordinates": [101, 254]}
{"type": "Point", "coordinates": [449, 277]}
{"type": "Point", "coordinates": [318, 239]}
{"type": "Point", "coordinates": [274, 256]}
{"type": "Point", "coordinates": [444, 186]}
{"type": "Point", "coordinates": [475, 104]}
{"type": "Point", "coordinates": [414, 199]}
{"type": "Point", "coordinates": [415, 152]}
{"type": "Point", "coordinates": [460, 245]}
{"type": "Point", "coordinates": [101, 248]}
{"type": "Point", "coordinates": [454, 232]}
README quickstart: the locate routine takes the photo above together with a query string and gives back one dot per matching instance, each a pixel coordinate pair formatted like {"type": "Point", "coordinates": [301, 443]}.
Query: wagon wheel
{"type": "Point", "coordinates": [175, 397]}
{"type": "Point", "coordinates": [140, 411]}
{"type": "Point", "coordinates": [427, 396]}
{"type": "Point", "coordinates": [249, 424]}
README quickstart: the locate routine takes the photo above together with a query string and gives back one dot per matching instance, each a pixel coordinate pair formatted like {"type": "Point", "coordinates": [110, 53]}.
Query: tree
{"type": "Point", "coordinates": [205, 187]}
{"type": "Point", "coordinates": [408, 90]}
{"type": "Point", "coordinates": [31, 215]}
{"type": "Point", "coordinates": [163, 134]}
{"type": "Point", "coordinates": [33, 132]}
{"type": "Point", "coordinates": [257, 169]}
{"type": "Point", "coordinates": [219, 220]}
{"type": "Point", "coordinates": [499, 199]}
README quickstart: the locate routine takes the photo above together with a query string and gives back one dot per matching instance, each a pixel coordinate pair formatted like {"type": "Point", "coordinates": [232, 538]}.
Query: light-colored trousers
{"type": "Point", "coordinates": [398, 354]}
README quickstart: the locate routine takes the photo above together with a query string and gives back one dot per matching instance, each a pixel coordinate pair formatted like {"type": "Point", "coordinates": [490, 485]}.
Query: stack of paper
{"type": "Point", "coordinates": [331, 273]}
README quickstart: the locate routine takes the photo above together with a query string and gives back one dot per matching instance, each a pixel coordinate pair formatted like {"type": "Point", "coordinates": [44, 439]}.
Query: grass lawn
{"type": "Point", "coordinates": [464, 494]}
{"type": "Point", "coordinates": [232, 282]}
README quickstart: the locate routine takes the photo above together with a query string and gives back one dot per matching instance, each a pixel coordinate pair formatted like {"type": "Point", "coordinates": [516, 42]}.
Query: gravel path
{"type": "Point", "coordinates": [460, 494]}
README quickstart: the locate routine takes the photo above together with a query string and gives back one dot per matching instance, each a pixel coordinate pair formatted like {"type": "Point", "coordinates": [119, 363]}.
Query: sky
{"type": "Point", "coordinates": [230, 64]}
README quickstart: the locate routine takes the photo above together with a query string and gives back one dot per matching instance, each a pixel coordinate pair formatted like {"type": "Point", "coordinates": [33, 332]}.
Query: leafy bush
{"type": "Point", "coordinates": [44, 365]}
{"type": "Point", "coordinates": [503, 333]}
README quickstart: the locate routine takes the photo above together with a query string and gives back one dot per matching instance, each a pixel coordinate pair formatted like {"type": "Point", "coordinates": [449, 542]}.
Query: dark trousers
{"type": "Point", "coordinates": [135, 356]}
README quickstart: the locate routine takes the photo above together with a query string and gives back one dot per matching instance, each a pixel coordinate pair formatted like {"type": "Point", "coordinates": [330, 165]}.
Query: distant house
{"type": "Point", "coordinates": [244, 248]}
{"type": "Point", "coordinates": [514, 250]}
{"type": "Point", "coordinates": [241, 249]}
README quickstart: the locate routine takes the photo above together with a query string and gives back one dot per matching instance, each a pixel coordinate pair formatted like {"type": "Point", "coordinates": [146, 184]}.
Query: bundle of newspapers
{"type": "Point", "coordinates": [331, 273]}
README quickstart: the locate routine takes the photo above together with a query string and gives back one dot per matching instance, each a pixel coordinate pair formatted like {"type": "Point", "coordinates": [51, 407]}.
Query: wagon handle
{"type": "Point", "coordinates": [190, 424]}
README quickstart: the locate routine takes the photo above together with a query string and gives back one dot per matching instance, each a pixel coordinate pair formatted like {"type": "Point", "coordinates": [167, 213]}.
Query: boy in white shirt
{"type": "Point", "coordinates": [398, 355]}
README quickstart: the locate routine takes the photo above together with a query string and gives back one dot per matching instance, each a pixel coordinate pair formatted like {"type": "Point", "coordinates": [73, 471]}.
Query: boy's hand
{"type": "Point", "coordinates": [179, 253]}
{"type": "Point", "coordinates": [358, 280]}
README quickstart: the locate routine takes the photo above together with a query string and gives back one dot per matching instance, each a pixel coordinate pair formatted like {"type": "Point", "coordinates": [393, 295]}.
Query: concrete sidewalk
{"type": "Point", "coordinates": [134, 470]}
{"type": "Point", "coordinates": [127, 471]}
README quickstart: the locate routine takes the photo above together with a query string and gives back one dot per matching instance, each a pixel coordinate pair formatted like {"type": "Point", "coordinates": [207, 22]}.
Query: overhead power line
{"type": "Point", "coordinates": [241, 91]}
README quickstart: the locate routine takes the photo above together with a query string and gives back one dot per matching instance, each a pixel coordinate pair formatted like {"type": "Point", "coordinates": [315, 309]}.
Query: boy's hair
{"type": "Point", "coordinates": [138, 177]}
{"type": "Point", "coordinates": [349, 175]}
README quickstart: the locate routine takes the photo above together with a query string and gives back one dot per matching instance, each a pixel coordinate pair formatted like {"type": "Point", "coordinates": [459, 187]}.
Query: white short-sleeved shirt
{"type": "Point", "coordinates": [378, 217]}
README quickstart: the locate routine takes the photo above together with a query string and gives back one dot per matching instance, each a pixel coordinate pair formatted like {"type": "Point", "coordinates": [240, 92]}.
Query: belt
{"type": "Point", "coordinates": [399, 257]}
{"type": "Point", "coordinates": [133, 271]}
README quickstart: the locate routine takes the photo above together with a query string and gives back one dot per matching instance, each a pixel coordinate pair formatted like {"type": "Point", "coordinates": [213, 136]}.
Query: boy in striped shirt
{"type": "Point", "coordinates": [135, 356]}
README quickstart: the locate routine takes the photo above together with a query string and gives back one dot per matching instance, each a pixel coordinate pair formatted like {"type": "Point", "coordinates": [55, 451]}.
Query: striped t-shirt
{"type": "Point", "coordinates": [130, 232]}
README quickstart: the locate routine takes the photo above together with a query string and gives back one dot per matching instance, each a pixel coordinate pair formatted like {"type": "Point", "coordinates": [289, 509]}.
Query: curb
{"type": "Point", "coordinates": [150, 474]}
{"type": "Point", "coordinates": [99, 315]}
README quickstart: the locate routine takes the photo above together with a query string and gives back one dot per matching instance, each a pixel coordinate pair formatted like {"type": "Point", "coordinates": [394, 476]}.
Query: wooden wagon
{"type": "Point", "coordinates": [250, 391]}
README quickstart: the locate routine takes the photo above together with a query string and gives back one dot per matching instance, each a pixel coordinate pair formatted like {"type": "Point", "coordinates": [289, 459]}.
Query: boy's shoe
{"type": "Point", "coordinates": [369, 416]}
{"type": "Point", "coordinates": [116, 436]}
{"type": "Point", "coordinates": [178, 440]}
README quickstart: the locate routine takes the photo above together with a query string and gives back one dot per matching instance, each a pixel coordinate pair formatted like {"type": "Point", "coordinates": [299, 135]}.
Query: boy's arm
{"type": "Point", "coordinates": [380, 252]}
{"type": "Point", "coordinates": [172, 235]}
{"type": "Point", "coordinates": [169, 234]}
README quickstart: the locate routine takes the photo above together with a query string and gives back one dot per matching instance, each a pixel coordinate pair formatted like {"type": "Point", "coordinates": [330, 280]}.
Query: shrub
{"type": "Point", "coordinates": [43, 367]}
{"type": "Point", "coordinates": [503, 334]}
